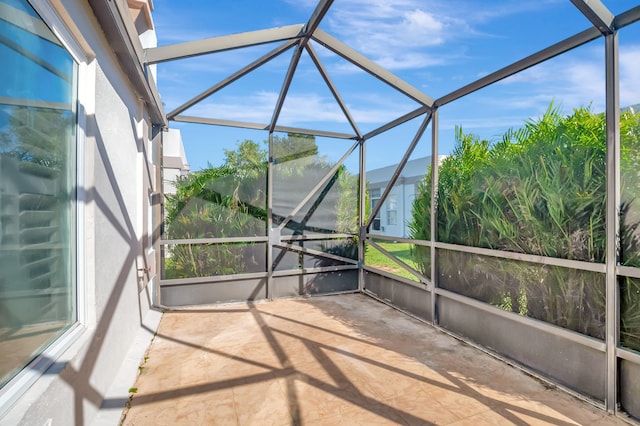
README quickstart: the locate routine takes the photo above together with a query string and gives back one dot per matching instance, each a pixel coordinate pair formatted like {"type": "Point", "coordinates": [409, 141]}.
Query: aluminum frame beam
{"type": "Point", "coordinates": [189, 49]}
{"type": "Point", "coordinates": [367, 65]}
{"type": "Point", "coordinates": [334, 91]}
{"type": "Point", "coordinates": [525, 257]}
{"type": "Point", "coordinates": [396, 174]}
{"type": "Point", "coordinates": [285, 85]}
{"type": "Point", "coordinates": [233, 77]}
{"type": "Point", "coordinates": [397, 122]}
{"type": "Point", "coordinates": [626, 18]}
{"type": "Point", "coordinates": [612, 113]}
{"type": "Point", "coordinates": [424, 280]}
{"type": "Point", "coordinates": [316, 17]}
{"type": "Point", "coordinates": [597, 13]}
{"type": "Point", "coordinates": [214, 240]}
{"type": "Point", "coordinates": [362, 208]}
{"type": "Point", "coordinates": [260, 126]}
{"type": "Point", "coordinates": [316, 237]}
{"type": "Point", "coordinates": [433, 216]}
{"type": "Point", "coordinates": [316, 270]}
{"type": "Point", "coordinates": [312, 252]}
{"type": "Point", "coordinates": [541, 56]}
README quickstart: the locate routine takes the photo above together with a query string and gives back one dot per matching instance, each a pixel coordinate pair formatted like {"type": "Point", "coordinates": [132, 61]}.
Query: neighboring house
{"type": "Point", "coordinates": [395, 214]}
{"type": "Point", "coordinates": [174, 160]}
{"type": "Point", "coordinates": [80, 130]}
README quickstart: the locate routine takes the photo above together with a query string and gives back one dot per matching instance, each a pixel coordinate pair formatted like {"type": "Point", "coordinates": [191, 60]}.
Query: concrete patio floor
{"type": "Point", "coordinates": [332, 360]}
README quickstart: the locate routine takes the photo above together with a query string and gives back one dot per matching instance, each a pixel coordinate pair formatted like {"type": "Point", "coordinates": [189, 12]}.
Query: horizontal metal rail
{"type": "Point", "coordinates": [398, 239]}
{"type": "Point", "coordinates": [212, 279]}
{"type": "Point", "coordinates": [628, 271]}
{"type": "Point", "coordinates": [628, 355]}
{"type": "Point", "coordinates": [321, 269]}
{"type": "Point", "coordinates": [312, 237]}
{"type": "Point", "coordinates": [524, 257]}
{"type": "Point", "coordinates": [305, 250]}
{"type": "Point", "coordinates": [223, 240]}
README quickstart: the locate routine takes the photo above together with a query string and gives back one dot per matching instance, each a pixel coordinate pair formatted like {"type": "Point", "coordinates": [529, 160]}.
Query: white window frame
{"type": "Point", "coordinates": [392, 201]}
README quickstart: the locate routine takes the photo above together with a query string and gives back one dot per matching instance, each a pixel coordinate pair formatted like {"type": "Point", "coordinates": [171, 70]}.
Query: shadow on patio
{"type": "Point", "coordinates": [332, 360]}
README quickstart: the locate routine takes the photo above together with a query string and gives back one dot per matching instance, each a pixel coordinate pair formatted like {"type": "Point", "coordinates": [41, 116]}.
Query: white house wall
{"type": "Point", "coordinates": [404, 192]}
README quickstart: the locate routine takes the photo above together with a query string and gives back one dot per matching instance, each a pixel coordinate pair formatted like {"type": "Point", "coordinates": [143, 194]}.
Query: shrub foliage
{"type": "Point", "coordinates": [540, 190]}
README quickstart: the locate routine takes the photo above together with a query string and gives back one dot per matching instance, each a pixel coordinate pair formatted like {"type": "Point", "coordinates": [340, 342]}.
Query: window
{"type": "Point", "coordinates": [375, 199]}
{"type": "Point", "coordinates": [392, 210]}
{"type": "Point", "coordinates": [37, 187]}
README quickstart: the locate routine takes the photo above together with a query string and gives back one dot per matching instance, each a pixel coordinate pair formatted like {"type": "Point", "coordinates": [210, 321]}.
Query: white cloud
{"type": "Point", "coordinates": [629, 63]}
{"type": "Point", "coordinates": [398, 34]}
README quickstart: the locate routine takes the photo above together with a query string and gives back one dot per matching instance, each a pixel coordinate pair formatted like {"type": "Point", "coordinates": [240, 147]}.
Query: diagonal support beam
{"type": "Point", "coordinates": [219, 44]}
{"type": "Point", "coordinates": [396, 174]}
{"type": "Point", "coordinates": [285, 86]}
{"type": "Point", "coordinates": [371, 67]}
{"type": "Point", "coordinates": [312, 252]}
{"type": "Point", "coordinates": [227, 81]}
{"type": "Point", "coordinates": [541, 56]}
{"type": "Point", "coordinates": [316, 17]}
{"type": "Point", "coordinates": [627, 18]}
{"type": "Point", "coordinates": [597, 13]}
{"type": "Point", "coordinates": [400, 263]}
{"type": "Point", "coordinates": [319, 185]}
{"type": "Point", "coordinates": [398, 121]}
{"type": "Point", "coordinates": [333, 89]}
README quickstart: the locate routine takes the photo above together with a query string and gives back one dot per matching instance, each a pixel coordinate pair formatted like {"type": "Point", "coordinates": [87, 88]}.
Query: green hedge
{"type": "Point", "coordinates": [541, 190]}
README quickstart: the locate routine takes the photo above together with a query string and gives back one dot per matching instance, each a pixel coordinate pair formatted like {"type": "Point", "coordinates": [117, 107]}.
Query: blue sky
{"type": "Point", "coordinates": [435, 45]}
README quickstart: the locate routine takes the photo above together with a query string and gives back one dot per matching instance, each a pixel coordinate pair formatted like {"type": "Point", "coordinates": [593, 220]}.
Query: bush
{"type": "Point", "coordinates": [540, 190]}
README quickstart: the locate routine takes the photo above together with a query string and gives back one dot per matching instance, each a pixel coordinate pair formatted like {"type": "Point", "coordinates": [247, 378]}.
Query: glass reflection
{"type": "Point", "coordinates": [37, 188]}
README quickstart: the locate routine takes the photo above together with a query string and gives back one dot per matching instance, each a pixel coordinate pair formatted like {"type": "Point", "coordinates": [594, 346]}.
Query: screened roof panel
{"type": "Point", "coordinates": [439, 46]}
{"type": "Point", "coordinates": [181, 80]}
{"type": "Point", "coordinates": [367, 64]}
{"type": "Point", "coordinates": [310, 103]}
{"type": "Point", "coordinates": [194, 19]}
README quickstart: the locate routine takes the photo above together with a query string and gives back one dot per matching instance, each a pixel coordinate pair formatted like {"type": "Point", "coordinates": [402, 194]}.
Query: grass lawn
{"type": "Point", "coordinates": [402, 251]}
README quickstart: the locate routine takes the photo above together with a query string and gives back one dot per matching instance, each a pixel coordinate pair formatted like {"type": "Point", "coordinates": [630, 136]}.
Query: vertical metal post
{"type": "Point", "coordinates": [270, 218]}
{"type": "Point", "coordinates": [434, 216]}
{"type": "Point", "coordinates": [158, 211]}
{"type": "Point", "coordinates": [613, 218]}
{"type": "Point", "coordinates": [362, 214]}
